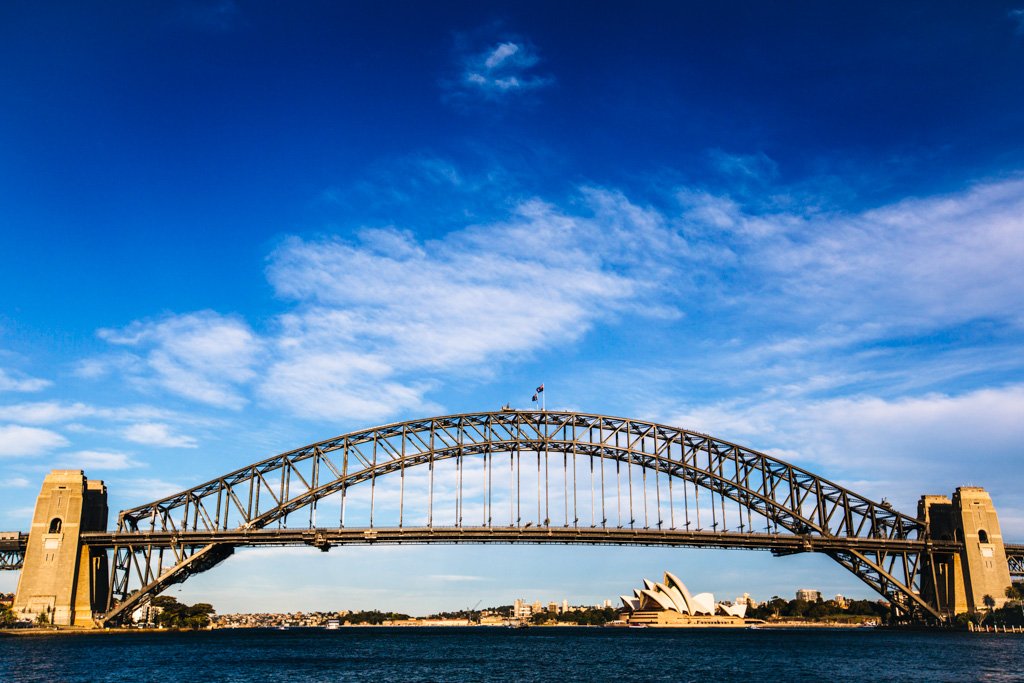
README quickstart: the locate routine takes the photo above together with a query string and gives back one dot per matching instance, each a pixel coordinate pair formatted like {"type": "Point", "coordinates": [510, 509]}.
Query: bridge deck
{"type": "Point", "coordinates": [13, 541]}
{"type": "Point", "coordinates": [14, 545]}
{"type": "Point", "coordinates": [784, 543]}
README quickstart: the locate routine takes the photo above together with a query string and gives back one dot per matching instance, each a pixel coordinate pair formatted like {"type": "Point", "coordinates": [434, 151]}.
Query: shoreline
{"type": "Point", "coordinates": [15, 632]}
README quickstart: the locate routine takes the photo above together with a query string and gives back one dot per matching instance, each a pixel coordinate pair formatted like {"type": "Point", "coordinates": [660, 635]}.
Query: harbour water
{"type": "Point", "coordinates": [534, 654]}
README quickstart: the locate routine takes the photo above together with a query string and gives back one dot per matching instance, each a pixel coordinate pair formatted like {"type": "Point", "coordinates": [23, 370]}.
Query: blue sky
{"type": "Point", "coordinates": [228, 229]}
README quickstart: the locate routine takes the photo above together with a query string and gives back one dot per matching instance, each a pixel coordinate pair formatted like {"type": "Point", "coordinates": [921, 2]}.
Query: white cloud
{"type": "Point", "coordinates": [201, 356]}
{"type": "Point", "coordinates": [103, 366]}
{"type": "Point", "coordinates": [501, 54]}
{"type": "Point", "coordinates": [502, 69]}
{"type": "Point", "coordinates": [388, 304]}
{"type": "Point", "coordinates": [339, 385]}
{"type": "Point", "coordinates": [157, 434]}
{"type": "Point", "coordinates": [18, 440]}
{"type": "Point", "coordinates": [53, 412]}
{"type": "Point", "coordinates": [899, 448]}
{"type": "Point", "coordinates": [18, 382]}
{"type": "Point", "coordinates": [543, 277]}
{"type": "Point", "coordinates": [917, 263]}
{"type": "Point", "coordinates": [98, 460]}
{"type": "Point", "coordinates": [142, 488]}
{"type": "Point", "coordinates": [45, 412]}
{"type": "Point", "coordinates": [380, 319]}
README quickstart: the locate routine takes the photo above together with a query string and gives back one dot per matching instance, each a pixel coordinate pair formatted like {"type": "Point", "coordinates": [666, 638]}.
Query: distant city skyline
{"type": "Point", "coordinates": [231, 229]}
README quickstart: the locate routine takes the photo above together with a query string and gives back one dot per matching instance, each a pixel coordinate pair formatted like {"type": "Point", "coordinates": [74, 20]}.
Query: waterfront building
{"type": "Point", "coordinates": [146, 614]}
{"type": "Point", "coordinates": [521, 609]}
{"type": "Point", "coordinates": [670, 603]}
{"type": "Point", "coordinates": [808, 594]}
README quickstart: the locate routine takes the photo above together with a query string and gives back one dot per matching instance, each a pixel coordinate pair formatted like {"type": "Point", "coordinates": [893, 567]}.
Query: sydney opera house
{"type": "Point", "coordinates": [670, 603]}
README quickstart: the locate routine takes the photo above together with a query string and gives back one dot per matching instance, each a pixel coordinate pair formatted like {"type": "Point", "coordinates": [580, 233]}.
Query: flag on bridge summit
{"type": "Point", "coordinates": [535, 398]}
{"type": "Point", "coordinates": [540, 390]}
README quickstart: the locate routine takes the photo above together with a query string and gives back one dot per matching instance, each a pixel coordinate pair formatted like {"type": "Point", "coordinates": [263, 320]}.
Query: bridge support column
{"type": "Point", "coordinates": [959, 583]}
{"type": "Point", "coordinates": [61, 577]}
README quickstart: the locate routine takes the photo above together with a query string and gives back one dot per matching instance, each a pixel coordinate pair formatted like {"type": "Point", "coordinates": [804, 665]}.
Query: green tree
{"type": "Point", "coordinates": [374, 617]}
{"type": "Point", "coordinates": [1013, 592]}
{"type": "Point", "coordinates": [173, 614]}
{"type": "Point", "coordinates": [7, 618]}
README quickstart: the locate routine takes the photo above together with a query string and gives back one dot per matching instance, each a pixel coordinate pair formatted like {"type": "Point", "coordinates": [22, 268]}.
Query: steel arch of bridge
{"type": "Point", "coordinates": [166, 541]}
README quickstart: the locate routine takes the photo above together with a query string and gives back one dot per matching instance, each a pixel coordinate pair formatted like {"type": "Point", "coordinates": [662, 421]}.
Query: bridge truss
{"type": "Point", "coordinates": [519, 477]}
{"type": "Point", "coordinates": [1015, 558]}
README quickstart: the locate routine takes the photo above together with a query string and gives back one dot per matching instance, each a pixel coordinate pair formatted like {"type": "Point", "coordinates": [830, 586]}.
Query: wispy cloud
{"type": "Point", "coordinates": [157, 434]}
{"type": "Point", "coordinates": [145, 488]}
{"type": "Point", "coordinates": [202, 356]}
{"type": "Point", "coordinates": [371, 311]}
{"type": "Point", "coordinates": [54, 412]}
{"type": "Point", "coordinates": [502, 69]}
{"type": "Point", "coordinates": [14, 381]}
{"type": "Point", "coordinates": [17, 440]}
{"type": "Point", "coordinates": [99, 460]}
{"type": "Point", "coordinates": [934, 440]}
{"type": "Point", "coordinates": [917, 263]}
{"type": "Point", "coordinates": [799, 301]}
{"type": "Point", "coordinates": [1017, 16]}
{"type": "Point", "coordinates": [757, 167]}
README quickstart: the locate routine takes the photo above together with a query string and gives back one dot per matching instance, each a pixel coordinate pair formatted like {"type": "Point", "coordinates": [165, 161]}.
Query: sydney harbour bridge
{"type": "Point", "coordinates": [507, 476]}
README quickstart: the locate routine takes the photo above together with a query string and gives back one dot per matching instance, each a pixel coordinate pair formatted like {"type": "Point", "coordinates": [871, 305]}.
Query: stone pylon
{"type": "Point", "coordinates": [60, 577]}
{"type": "Point", "coordinates": [958, 583]}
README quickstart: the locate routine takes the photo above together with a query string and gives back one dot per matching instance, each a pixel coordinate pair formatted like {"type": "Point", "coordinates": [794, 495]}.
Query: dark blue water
{"type": "Point", "coordinates": [536, 654]}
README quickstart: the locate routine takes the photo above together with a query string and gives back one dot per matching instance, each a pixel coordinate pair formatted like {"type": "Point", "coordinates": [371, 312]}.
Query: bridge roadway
{"type": "Point", "coordinates": [325, 538]}
{"type": "Point", "coordinates": [12, 545]}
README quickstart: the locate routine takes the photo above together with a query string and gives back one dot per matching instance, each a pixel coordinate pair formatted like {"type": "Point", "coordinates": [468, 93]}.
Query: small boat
{"type": "Point", "coordinates": [638, 626]}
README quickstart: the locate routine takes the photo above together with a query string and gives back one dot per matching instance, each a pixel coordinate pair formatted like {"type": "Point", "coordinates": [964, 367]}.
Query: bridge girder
{"type": "Point", "coordinates": [11, 559]}
{"type": "Point", "coordinates": [1015, 559]}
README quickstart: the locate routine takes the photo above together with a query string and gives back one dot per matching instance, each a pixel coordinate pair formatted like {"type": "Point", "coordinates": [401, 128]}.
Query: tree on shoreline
{"type": "Point", "coordinates": [587, 617]}
{"type": "Point", "coordinates": [173, 614]}
{"type": "Point", "coordinates": [374, 617]}
{"type": "Point", "coordinates": [821, 610]}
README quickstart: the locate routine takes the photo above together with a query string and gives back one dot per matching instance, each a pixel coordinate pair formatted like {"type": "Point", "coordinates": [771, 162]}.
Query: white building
{"type": "Point", "coordinates": [672, 595]}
